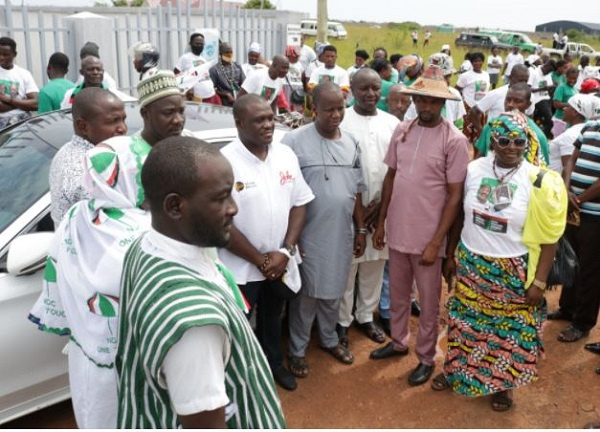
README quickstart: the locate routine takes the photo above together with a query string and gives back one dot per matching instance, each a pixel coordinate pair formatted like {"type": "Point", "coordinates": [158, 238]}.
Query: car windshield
{"type": "Point", "coordinates": [24, 166]}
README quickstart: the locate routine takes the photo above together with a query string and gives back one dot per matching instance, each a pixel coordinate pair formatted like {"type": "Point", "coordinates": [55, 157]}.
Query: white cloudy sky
{"type": "Point", "coordinates": [507, 14]}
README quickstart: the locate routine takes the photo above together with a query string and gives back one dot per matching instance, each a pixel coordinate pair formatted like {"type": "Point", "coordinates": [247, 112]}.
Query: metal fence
{"type": "Point", "coordinates": [39, 32]}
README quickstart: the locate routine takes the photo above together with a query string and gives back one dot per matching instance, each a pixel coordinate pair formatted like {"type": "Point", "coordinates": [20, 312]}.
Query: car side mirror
{"type": "Point", "coordinates": [27, 253]}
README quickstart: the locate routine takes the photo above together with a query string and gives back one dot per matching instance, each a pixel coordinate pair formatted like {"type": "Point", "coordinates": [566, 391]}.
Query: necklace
{"type": "Point", "coordinates": [507, 175]}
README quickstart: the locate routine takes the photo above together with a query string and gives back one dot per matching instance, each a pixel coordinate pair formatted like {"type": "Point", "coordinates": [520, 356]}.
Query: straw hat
{"type": "Point", "coordinates": [432, 84]}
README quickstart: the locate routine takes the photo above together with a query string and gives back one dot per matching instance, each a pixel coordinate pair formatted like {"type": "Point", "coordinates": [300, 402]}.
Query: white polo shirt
{"type": "Point", "coordinates": [265, 192]}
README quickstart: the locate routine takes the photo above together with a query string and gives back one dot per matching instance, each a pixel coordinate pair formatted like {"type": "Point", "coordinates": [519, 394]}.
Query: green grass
{"type": "Point", "coordinates": [395, 38]}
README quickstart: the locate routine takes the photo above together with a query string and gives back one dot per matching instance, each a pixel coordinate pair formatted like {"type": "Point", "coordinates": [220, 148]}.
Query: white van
{"type": "Point", "coordinates": [334, 29]}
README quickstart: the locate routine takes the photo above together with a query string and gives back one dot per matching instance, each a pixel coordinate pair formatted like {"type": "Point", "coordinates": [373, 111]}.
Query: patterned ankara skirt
{"type": "Point", "coordinates": [494, 338]}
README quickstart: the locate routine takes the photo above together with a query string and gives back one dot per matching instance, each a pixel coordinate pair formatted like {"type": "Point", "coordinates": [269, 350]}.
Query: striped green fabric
{"type": "Point", "coordinates": [160, 300]}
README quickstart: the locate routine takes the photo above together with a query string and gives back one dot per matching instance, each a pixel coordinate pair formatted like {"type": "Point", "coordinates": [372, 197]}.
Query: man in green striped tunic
{"type": "Point", "coordinates": [186, 354]}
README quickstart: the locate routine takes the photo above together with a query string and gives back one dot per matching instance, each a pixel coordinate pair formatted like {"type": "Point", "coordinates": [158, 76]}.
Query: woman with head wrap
{"type": "Point", "coordinates": [514, 213]}
{"type": "Point", "coordinates": [80, 295]}
{"type": "Point", "coordinates": [410, 67]}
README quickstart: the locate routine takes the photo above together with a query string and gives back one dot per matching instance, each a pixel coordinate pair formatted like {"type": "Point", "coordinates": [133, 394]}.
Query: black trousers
{"type": "Point", "coordinates": [543, 113]}
{"type": "Point", "coordinates": [582, 301]}
{"type": "Point", "coordinates": [268, 319]}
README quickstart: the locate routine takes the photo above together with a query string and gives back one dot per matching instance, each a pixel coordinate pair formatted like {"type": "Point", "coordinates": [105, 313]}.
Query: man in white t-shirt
{"type": "Point", "coordinates": [492, 103]}
{"type": "Point", "coordinates": [373, 129]}
{"type": "Point", "coordinates": [512, 59]}
{"type": "Point", "coordinates": [329, 71]}
{"type": "Point", "coordinates": [267, 83]}
{"type": "Point", "coordinates": [540, 81]}
{"type": "Point", "coordinates": [204, 90]}
{"type": "Point", "coordinates": [18, 90]}
{"type": "Point", "coordinates": [253, 63]}
{"type": "Point", "coordinates": [307, 54]}
{"type": "Point", "coordinates": [494, 65]}
{"type": "Point", "coordinates": [271, 196]}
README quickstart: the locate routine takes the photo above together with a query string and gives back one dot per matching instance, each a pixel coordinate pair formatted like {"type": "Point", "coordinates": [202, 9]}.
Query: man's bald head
{"type": "Point", "coordinates": [89, 101]}
{"type": "Point", "coordinates": [243, 103]}
{"type": "Point", "coordinates": [325, 88]}
{"type": "Point", "coordinates": [98, 115]}
{"type": "Point", "coordinates": [279, 67]}
{"type": "Point", "coordinates": [518, 74]}
{"type": "Point", "coordinates": [364, 74]}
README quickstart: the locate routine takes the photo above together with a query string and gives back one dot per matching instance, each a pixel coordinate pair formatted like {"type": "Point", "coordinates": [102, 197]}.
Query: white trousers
{"type": "Point", "coordinates": [370, 277]}
{"type": "Point", "coordinates": [93, 392]}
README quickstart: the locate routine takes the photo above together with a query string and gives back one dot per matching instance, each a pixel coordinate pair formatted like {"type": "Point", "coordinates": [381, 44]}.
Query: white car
{"type": "Point", "coordinates": [33, 369]}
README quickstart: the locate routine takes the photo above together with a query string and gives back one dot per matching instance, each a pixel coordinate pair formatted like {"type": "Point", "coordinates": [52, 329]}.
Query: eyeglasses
{"type": "Point", "coordinates": [505, 141]}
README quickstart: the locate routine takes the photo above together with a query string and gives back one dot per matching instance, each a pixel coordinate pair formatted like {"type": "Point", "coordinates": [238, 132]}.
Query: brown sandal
{"type": "Point", "coordinates": [298, 366]}
{"type": "Point", "coordinates": [341, 353]}
{"type": "Point", "coordinates": [373, 331]}
{"type": "Point", "coordinates": [440, 383]}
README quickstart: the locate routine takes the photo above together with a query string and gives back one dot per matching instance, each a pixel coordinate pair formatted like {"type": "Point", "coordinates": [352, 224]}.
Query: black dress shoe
{"type": "Point", "coordinates": [593, 347]}
{"type": "Point", "coordinates": [385, 325]}
{"type": "Point", "coordinates": [559, 315]}
{"type": "Point", "coordinates": [420, 375]}
{"type": "Point", "coordinates": [387, 352]}
{"type": "Point", "coordinates": [415, 309]}
{"type": "Point", "coordinates": [285, 378]}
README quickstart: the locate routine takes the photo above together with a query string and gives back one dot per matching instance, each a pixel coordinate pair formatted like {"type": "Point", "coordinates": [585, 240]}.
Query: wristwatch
{"type": "Point", "coordinates": [539, 284]}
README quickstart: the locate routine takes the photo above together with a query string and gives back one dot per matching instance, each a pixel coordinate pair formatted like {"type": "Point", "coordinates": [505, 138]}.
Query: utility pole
{"type": "Point", "coordinates": [322, 21]}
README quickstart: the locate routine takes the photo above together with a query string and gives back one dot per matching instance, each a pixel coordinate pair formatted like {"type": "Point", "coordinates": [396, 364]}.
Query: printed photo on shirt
{"type": "Point", "coordinates": [268, 93]}
{"type": "Point", "coordinates": [326, 78]}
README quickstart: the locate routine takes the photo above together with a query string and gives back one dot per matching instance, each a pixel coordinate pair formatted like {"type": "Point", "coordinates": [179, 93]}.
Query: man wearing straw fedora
{"type": "Point", "coordinates": [422, 190]}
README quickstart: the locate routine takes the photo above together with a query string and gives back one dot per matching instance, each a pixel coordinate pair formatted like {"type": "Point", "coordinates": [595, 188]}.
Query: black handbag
{"type": "Point", "coordinates": [297, 96]}
{"type": "Point", "coordinates": [565, 266]}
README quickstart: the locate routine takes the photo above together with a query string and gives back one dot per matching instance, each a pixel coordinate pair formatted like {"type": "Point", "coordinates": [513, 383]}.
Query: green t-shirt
{"type": "Point", "coordinates": [52, 94]}
{"type": "Point", "coordinates": [385, 90]}
{"type": "Point", "coordinates": [562, 94]}
{"type": "Point", "coordinates": [558, 79]}
{"type": "Point", "coordinates": [484, 140]}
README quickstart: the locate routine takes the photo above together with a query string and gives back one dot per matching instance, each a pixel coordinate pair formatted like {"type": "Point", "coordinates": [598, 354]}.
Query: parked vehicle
{"type": "Point", "coordinates": [576, 49]}
{"type": "Point", "coordinates": [334, 29]}
{"type": "Point", "coordinates": [521, 40]}
{"type": "Point", "coordinates": [33, 370]}
{"type": "Point", "coordinates": [480, 41]}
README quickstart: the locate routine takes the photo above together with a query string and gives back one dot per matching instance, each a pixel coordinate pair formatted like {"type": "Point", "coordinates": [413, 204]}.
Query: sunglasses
{"type": "Point", "coordinates": [505, 142]}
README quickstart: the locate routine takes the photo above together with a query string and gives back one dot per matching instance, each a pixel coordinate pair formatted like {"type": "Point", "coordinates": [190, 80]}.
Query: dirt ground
{"type": "Point", "coordinates": [375, 394]}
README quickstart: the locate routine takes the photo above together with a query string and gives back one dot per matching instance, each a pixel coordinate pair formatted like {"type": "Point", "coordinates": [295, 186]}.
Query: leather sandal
{"type": "Point", "coordinates": [298, 366]}
{"type": "Point", "coordinates": [572, 334]}
{"type": "Point", "coordinates": [342, 333]}
{"type": "Point", "coordinates": [373, 331]}
{"type": "Point", "coordinates": [440, 383]}
{"type": "Point", "coordinates": [501, 401]}
{"type": "Point", "coordinates": [340, 353]}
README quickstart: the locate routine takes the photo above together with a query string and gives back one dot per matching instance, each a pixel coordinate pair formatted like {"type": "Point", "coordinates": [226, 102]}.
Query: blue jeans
{"type": "Point", "coordinates": [384, 300]}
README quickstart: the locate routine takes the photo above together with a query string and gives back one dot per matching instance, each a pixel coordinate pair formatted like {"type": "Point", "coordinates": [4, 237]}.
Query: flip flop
{"type": "Point", "coordinates": [501, 401]}
{"type": "Point", "coordinates": [440, 383]}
